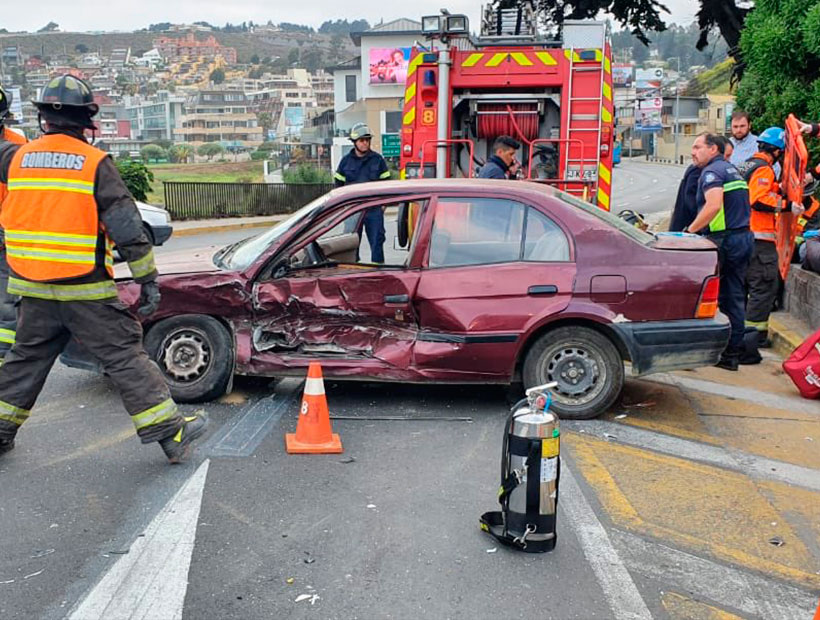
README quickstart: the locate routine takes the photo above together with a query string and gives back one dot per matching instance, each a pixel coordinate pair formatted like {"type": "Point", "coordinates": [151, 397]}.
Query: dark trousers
{"type": "Point", "coordinates": [8, 307]}
{"type": "Point", "coordinates": [374, 228]}
{"type": "Point", "coordinates": [108, 331]}
{"type": "Point", "coordinates": [734, 253]}
{"type": "Point", "coordinates": [762, 284]}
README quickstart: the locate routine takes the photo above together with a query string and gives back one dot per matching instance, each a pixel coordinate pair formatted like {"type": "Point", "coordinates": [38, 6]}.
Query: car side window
{"type": "Point", "coordinates": [544, 241]}
{"type": "Point", "coordinates": [476, 231]}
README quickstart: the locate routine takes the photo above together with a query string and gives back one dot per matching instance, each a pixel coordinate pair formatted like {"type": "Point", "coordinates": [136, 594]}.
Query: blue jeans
{"type": "Point", "coordinates": [374, 228]}
{"type": "Point", "coordinates": [734, 253]}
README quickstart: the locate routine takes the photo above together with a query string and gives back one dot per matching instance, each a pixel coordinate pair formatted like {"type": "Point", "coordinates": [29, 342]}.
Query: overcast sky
{"type": "Point", "coordinates": [89, 15]}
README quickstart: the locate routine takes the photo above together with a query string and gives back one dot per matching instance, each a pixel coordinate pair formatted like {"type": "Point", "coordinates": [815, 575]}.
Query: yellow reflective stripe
{"type": "Point", "coordinates": [411, 67]}
{"type": "Point", "coordinates": [61, 180]}
{"type": "Point", "coordinates": [143, 266]}
{"type": "Point", "coordinates": [54, 184]}
{"type": "Point", "coordinates": [760, 326]}
{"type": "Point", "coordinates": [604, 174]}
{"type": "Point", "coordinates": [158, 414]}
{"type": "Point", "coordinates": [607, 65]}
{"type": "Point", "coordinates": [63, 292]}
{"type": "Point", "coordinates": [603, 198]}
{"type": "Point", "coordinates": [472, 59]}
{"type": "Point", "coordinates": [385, 175]}
{"type": "Point", "coordinates": [497, 59]}
{"type": "Point", "coordinates": [410, 116]}
{"type": "Point", "coordinates": [606, 115]}
{"type": "Point", "coordinates": [411, 92]}
{"type": "Point", "coordinates": [7, 335]}
{"type": "Point", "coordinates": [734, 185]}
{"type": "Point", "coordinates": [339, 177]}
{"type": "Point", "coordinates": [607, 92]}
{"type": "Point", "coordinates": [403, 174]}
{"type": "Point", "coordinates": [546, 58]}
{"type": "Point", "coordinates": [13, 414]}
{"type": "Point", "coordinates": [521, 59]}
{"type": "Point", "coordinates": [38, 236]}
{"type": "Point", "coordinates": [718, 222]}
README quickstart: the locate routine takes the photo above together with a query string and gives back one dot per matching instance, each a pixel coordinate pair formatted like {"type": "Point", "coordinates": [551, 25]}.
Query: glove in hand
{"type": "Point", "coordinates": [149, 298]}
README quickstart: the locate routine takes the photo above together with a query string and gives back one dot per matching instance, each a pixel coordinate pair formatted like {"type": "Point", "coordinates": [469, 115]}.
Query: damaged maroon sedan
{"type": "Point", "coordinates": [483, 282]}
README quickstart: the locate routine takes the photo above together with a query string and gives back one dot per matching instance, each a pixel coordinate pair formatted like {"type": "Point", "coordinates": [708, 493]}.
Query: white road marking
{"type": "Point", "coordinates": [150, 582]}
{"type": "Point", "coordinates": [645, 197]}
{"type": "Point", "coordinates": [748, 593]}
{"type": "Point", "coordinates": [757, 467]}
{"type": "Point", "coordinates": [622, 595]}
{"type": "Point", "coordinates": [764, 399]}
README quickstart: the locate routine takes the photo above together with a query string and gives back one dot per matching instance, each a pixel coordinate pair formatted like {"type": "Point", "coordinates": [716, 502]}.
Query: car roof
{"type": "Point", "coordinates": [521, 189]}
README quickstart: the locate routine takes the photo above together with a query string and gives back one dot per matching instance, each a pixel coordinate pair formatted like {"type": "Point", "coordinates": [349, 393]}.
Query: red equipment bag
{"type": "Point", "coordinates": [803, 366]}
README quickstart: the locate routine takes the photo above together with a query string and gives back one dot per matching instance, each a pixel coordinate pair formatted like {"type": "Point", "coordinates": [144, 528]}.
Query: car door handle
{"type": "Point", "coordinates": [543, 289]}
{"type": "Point", "coordinates": [397, 299]}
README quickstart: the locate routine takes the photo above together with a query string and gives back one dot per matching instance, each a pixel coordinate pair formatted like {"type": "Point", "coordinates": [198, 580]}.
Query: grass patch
{"type": "Point", "coordinates": [239, 172]}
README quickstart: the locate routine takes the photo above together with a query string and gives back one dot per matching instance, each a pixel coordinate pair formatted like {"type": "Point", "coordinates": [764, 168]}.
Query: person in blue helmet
{"type": "Point", "coordinates": [723, 216]}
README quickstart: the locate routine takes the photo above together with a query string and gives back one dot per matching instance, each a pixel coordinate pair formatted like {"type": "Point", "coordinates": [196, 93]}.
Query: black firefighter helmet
{"type": "Point", "coordinates": [67, 100]}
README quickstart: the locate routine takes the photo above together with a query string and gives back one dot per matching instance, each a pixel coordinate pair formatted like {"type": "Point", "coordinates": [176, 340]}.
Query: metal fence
{"type": "Point", "coordinates": [197, 201]}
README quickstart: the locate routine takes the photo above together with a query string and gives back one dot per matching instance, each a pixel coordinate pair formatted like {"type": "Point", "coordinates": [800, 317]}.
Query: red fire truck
{"type": "Point", "coordinates": [554, 96]}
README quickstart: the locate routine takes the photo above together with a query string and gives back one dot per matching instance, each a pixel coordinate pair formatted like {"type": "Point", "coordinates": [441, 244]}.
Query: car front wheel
{"type": "Point", "coordinates": [586, 366]}
{"type": "Point", "coordinates": [195, 355]}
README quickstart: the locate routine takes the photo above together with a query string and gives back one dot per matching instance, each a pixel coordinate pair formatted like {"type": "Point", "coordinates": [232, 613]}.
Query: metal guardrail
{"type": "Point", "coordinates": [197, 201]}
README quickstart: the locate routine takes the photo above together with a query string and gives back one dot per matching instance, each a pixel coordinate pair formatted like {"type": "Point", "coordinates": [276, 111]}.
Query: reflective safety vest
{"type": "Point", "coordinates": [50, 215]}
{"type": "Point", "coordinates": [764, 196]}
{"type": "Point", "coordinates": [718, 223]}
{"type": "Point", "coordinates": [8, 135]}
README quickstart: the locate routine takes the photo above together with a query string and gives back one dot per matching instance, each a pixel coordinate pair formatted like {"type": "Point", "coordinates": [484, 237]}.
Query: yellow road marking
{"type": "Point", "coordinates": [693, 506]}
{"type": "Point", "coordinates": [682, 608]}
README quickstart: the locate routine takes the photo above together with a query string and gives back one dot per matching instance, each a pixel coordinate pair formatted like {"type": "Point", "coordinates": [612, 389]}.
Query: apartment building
{"type": "Point", "coordinates": [219, 116]}
{"type": "Point", "coordinates": [155, 118]}
{"type": "Point", "coordinates": [175, 49]}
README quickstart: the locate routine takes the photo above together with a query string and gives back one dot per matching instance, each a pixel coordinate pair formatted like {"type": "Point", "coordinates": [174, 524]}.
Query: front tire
{"type": "Point", "coordinates": [585, 364]}
{"type": "Point", "coordinates": [195, 355]}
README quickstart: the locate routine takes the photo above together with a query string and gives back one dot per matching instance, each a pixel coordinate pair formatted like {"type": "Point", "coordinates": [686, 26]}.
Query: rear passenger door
{"type": "Point", "coordinates": [494, 269]}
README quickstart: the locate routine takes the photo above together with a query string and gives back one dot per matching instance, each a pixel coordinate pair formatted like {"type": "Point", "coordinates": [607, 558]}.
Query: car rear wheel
{"type": "Point", "coordinates": [585, 364]}
{"type": "Point", "coordinates": [195, 355]}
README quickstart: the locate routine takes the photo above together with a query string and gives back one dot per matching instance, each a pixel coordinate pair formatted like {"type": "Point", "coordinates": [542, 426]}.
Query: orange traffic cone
{"type": "Point", "coordinates": [817, 613]}
{"type": "Point", "coordinates": [313, 433]}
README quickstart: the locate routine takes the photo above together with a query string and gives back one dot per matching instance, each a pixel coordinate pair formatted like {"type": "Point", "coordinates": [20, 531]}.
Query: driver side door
{"type": "Point", "coordinates": [331, 304]}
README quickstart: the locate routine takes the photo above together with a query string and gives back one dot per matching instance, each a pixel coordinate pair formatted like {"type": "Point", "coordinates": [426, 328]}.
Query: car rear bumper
{"type": "Point", "coordinates": [661, 346]}
{"type": "Point", "coordinates": [161, 234]}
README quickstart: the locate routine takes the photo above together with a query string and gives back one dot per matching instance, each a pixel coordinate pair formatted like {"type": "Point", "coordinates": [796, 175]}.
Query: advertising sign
{"type": "Point", "coordinates": [294, 121]}
{"type": "Point", "coordinates": [648, 83]}
{"type": "Point", "coordinates": [16, 103]}
{"type": "Point", "coordinates": [648, 114]}
{"type": "Point", "coordinates": [388, 65]}
{"type": "Point", "coordinates": [622, 76]}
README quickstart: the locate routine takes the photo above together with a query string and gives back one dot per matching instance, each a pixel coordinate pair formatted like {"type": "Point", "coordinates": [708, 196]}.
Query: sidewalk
{"type": "Point", "coordinates": [187, 228]}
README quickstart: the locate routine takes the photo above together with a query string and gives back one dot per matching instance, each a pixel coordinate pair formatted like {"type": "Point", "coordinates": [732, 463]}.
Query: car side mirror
{"type": "Point", "coordinates": [280, 270]}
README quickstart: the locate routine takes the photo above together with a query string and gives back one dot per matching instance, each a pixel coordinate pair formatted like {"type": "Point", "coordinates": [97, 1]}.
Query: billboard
{"type": "Point", "coordinates": [648, 114]}
{"type": "Point", "coordinates": [294, 121]}
{"type": "Point", "coordinates": [648, 83]}
{"type": "Point", "coordinates": [388, 65]}
{"type": "Point", "coordinates": [622, 76]}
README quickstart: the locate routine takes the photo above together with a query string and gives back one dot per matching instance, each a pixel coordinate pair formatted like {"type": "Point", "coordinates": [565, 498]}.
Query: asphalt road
{"type": "Point", "coordinates": [644, 187]}
{"type": "Point", "coordinates": [668, 504]}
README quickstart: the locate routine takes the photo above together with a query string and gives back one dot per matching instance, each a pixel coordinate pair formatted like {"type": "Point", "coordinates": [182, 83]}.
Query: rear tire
{"type": "Point", "coordinates": [195, 355]}
{"type": "Point", "coordinates": [586, 365]}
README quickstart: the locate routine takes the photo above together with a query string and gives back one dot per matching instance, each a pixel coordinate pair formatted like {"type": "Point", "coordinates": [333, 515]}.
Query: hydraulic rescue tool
{"type": "Point", "coordinates": [530, 469]}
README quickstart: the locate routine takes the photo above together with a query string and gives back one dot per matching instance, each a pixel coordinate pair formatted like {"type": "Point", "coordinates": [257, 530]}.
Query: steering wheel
{"type": "Point", "coordinates": [314, 253]}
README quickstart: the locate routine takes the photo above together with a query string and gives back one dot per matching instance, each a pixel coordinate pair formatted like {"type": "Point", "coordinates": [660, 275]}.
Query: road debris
{"type": "Point", "coordinates": [620, 416]}
{"type": "Point", "coordinates": [493, 550]}
{"type": "Point", "coordinates": [3, 583]}
{"type": "Point", "coordinates": [347, 460]}
{"type": "Point", "coordinates": [39, 572]}
{"type": "Point", "coordinates": [307, 597]}
{"type": "Point", "coordinates": [309, 560]}
{"type": "Point", "coordinates": [648, 403]}
{"type": "Point", "coordinates": [290, 580]}
{"type": "Point", "coordinates": [609, 437]}
{"type": "Point", "coordinates": [371, 506]}
{"type": "Point", "coordinates": [777, 541]}
{"type": "Point", "coordinates": [42, 553]}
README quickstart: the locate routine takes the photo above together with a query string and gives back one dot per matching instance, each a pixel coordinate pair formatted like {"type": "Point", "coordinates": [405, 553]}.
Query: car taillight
{"type": "Point", "coordinates": [708, 302]}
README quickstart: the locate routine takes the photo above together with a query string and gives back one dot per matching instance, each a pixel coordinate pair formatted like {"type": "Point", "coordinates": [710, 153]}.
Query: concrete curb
{"type": "Point", "coordinates": [785, 337]}
{"type": "Point", "coordinates": [213, 228]}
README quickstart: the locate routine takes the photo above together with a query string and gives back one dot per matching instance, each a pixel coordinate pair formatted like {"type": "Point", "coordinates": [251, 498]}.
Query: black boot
{"type": "Point", "coordinates": [6, 445]}
{"type": "Point", "coordinates": [728, 361]}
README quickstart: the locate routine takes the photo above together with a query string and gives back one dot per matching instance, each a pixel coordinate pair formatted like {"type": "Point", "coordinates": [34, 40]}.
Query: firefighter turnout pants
{"type": "Point", "coordinates": [108, 331]}
{"type": "Point", "coordinates": [8, 307]}
{"type": "Point", "coordinates": [762, 285]}
{"type": "Point", "coordinates": [734, 253]}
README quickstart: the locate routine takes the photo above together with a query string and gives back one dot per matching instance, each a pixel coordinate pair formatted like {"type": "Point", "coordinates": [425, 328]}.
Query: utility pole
{"type": "Point", "coordinates": [677, 109]}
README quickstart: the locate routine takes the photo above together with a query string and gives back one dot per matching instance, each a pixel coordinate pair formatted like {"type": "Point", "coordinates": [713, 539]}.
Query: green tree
{"type": "Point", "coordinates": [265, 121]}
{"type": "Point", "coordinates": [153, 152]}
{"type": "Point", "coordinates": [81, 48]}
{"type": "Point", "coordinates": [781, 48]}
{"type": "Point", "coordinates": [165, 144]}
{"type": "Point", "coordinates": [255, 59]}
{"type": "Point", "coordinates": [210, 150]}
{"type": "Point", "coordinates": [293, 56]}
{"type": "Point", "coordinates": [179, 153]}
{"type": "Point", "coordinates": [50, 27]}
{"type": "Point", "coordinates": [137, 177]}
{"type": "Point", "coordinates": [217, 76]}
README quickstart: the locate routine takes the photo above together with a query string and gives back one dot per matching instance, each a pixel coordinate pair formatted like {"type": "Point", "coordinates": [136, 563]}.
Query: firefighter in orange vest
{"type": "Point", "coordinates": [66, 207]}
{"type": "Point", "coordinates": [8, 310]}
{"type": "Point", "coordinates": [766, 202]}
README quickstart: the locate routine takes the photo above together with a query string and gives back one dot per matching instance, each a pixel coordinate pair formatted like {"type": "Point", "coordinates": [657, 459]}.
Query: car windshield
{"type": "Point", "coordinates": [242, 254]}
{"type": "Point", "coordinates": [613, 220]}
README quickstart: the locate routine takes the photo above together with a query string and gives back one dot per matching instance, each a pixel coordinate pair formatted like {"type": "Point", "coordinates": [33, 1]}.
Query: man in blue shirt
{"type": "Point", "coordinates": [502, 161]}
{"type": "Point", "coordinates": [723, 216]}
{"type": "Point", "coordinates": [360, 165]}
{"type": "Point", "coordinates": [744, 141]}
